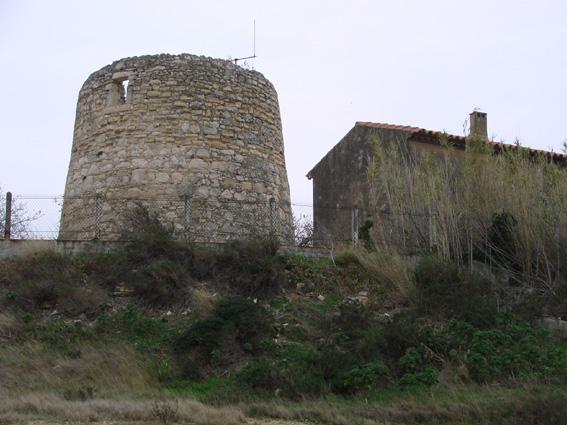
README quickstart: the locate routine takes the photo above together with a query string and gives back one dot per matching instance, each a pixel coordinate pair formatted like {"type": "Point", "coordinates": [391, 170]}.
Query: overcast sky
{"type": "Point", "coordinates": [420, 63]}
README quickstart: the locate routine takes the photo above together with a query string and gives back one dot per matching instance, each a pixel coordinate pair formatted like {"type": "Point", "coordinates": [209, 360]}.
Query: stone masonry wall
{"type": "Point", "coordinates": [196, 139]}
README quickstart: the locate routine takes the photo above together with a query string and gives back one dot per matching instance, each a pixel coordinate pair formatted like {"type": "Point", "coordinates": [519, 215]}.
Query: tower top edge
{"type": "Point", "coordinates": [164, 59]}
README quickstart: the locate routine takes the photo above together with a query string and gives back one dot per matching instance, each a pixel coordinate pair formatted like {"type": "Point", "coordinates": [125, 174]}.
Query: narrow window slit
{"type": "Point", "coordinates": [119, 89]}
{"type": "Point", "coordinates": [124, 94]}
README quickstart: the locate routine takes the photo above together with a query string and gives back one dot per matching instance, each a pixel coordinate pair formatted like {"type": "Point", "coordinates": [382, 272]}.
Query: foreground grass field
{"type": "Point", "coordinates": [525, 404]}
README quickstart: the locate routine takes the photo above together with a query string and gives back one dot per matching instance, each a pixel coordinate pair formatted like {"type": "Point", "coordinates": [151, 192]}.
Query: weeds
{"type": "Point", "coordinates": [445, 291]}
{"type": "Point", "coordinates": [507, 210]}
{"type": "Point", "coordinates": [237, 326]}
{"type": "Point", "coordinates": [232, 333]}
{"type": "Point", "coordinates": [166, 411]}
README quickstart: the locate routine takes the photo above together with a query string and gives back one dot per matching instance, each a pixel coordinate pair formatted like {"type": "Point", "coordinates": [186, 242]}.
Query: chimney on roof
{"type": "Point", "coordinates": [478, 128]}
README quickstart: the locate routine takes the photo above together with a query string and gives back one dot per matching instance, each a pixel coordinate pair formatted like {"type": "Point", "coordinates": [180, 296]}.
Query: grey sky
{"type": "Point", "coordinates": [421, 63]}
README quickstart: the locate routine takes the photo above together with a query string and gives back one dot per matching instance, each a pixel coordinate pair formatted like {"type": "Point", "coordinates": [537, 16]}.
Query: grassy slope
{"type": "Point", "coordinates": [94, 337]}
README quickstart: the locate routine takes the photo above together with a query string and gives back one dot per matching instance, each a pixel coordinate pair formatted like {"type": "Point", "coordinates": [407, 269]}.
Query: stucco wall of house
{"type": "Point", "coordinates": [340, 183]}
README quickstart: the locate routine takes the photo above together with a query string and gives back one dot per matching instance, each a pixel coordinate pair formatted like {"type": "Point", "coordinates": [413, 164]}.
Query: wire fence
{"type": "Point", "coordinates": [207, 220]}
{"type": "Point", "coordinates": [105, 218]}
{"type": "Point", "coordinates": [195, 219]}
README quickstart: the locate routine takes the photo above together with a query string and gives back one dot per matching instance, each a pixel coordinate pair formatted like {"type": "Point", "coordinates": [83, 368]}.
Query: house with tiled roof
{"type": "Point", "coordinates": [340, 188]}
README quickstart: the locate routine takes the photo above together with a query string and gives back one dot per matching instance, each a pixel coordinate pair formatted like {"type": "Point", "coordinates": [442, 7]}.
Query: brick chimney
{"type": "Point", "coordinates": [478, 127]}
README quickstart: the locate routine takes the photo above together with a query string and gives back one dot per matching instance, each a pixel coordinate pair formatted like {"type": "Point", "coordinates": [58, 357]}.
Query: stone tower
{"type": "Point", "coordinates": [195, 139]}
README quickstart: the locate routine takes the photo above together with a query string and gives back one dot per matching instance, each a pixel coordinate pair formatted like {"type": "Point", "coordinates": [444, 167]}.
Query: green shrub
{"type": "Point", "coordinates": [511, 348]}
{"type": "Point", "coordinates": [251, 321]}
{"type": "Point", "coordinates": [426, 377]}
{"type": "Point", "coordinates": [503, 242]}
{"type": "Point", "coordinates": [346, 258]}
{"type": "Point", "coordinates": [444, 291]}
{"type": "Point", "coordinates": [204, 336]}
{"type": "Point", "coordinates": [252, 267]}
{"type": "Point", "coordinates": [237, 326]}
{"type": "Point", "coordinates": [365, 378]}
{"type": "Point", "coordinates": [412, 360]}
{"type": "Point", "coordinates": [295, 371]}
{"type": "Point", "coordinates": [35, 281]}
{"type": "Point", "coordinates": [162, 369]}
{"type": "Point", "coordinates": [261, 373]}
{"type": "Point", "coordinates": [514, 349]}
{"type": "Point", "coordinates": [104, 269]}
{"type": "Point", "coordinates": [352, 338]}
{"type": "Point", "coordinates": [161, 282]}
{"type": "Point", "coordinates": [401, 333]}
{"type": "Point", "coordinates": [454, 337]}
{"type": "Point", "coordinates": [145, 332]}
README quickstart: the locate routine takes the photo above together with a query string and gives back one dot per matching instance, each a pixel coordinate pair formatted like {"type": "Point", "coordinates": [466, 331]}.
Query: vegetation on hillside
{"type": "Point", "coordinates": [508, 211]}
{"type": "Point", "coordinates": [369, 337]}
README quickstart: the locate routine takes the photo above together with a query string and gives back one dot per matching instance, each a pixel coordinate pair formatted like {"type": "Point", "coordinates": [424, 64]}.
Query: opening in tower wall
{"type": "Point", "coordinates": [118, 89]}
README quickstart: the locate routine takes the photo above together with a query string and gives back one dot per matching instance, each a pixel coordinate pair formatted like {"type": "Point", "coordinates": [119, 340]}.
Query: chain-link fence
{"type": "Point", "coordinates": [29, 217]}
{"type": "Point", "coordinates": [100, 217]}
{"type": "Point", "coordinates": [109, 218]}
{"type": "Point", "coordinates": [199, 220]}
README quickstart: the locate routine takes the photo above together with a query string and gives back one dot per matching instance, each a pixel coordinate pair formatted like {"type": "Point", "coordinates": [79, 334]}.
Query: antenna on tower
{"type": "Point", "coordinates": [253, 49]}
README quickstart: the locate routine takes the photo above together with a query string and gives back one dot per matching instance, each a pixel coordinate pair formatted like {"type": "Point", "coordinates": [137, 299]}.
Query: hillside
{"type": "Point", "coordinates": [168, 332]}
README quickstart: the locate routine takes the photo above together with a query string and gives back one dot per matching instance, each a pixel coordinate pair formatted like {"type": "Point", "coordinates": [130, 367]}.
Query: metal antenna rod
{"type": "Point", "coordinates": [254, 48]}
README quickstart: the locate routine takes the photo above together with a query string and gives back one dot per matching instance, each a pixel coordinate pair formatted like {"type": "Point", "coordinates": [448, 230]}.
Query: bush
{"type": "Point", "coordinates": [346, 258]}
{"type": "Point", "coordinates": [426, 377]}
{"type": "Point", "coordinates": [443, 291]}
{"type": "Point", "coordinates": [104, 269]}
{"type": "Point", "coordinates": [249, 268]}
{"type": "Point", "coordinates": [251, 321]}
{"type": "Point", "coordinates": [510, 349]}
{"type": "Point", "coordinates": [204, 336]}
{"type": "Point", "coordinates": [148, 239]}
{"type": "Point", "coordinates": [514, 349]}
{"type": "Point", "coordinates": [503, 242]}
{"type": "Point", "coordinates": [401, 333]}
{"type": "Point", "coordinates": [49, 280]}
{"type": "Point", "coordinates": [295, 371]}
{"type": "Point", "coordinates": [365, 378]}
{"type": "Point", "coordinates": [354, 337]}
{"type": "Point", "coordinates": [252, 267]}
{"type": "Point", "coordinates": [236, 326]}
{"type": "Point", "coordinates": [145, 332]}
{"type": "Point", "coordinates": [161, 282]}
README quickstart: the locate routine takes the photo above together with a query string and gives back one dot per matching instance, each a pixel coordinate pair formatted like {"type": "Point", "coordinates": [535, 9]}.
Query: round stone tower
{"type": "Point", "coordinates": [194, 139]}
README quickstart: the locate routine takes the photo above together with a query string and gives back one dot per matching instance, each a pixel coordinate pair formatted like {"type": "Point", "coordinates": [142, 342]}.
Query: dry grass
{"type": "Point", "coordinates": [436, 202]}
{"type": "Point", "coordinates": [9, 326]}
{"type": "Point", "coordinates": [202, 302]}
{"type": "Point", "coordinates": [453, 404]}
{"type": "Point", "coordinates": [92, 371]}
{"type": "Point", "coordinates": [391, 270]}
{"type": "Point", "coordinates": [473, 405]}
{"type": "Point", "coordinates": [53, 408]}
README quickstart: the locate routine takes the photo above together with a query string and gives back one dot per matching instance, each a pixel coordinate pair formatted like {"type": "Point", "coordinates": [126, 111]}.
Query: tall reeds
{"type": "Point", "coordinates": [508, 210]}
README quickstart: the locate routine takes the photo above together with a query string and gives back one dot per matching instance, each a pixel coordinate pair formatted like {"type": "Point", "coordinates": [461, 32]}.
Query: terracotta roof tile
{"type": "Point", "coordinates": [388, 126]}
{"type": "Point", "coordinates": [431, 136]}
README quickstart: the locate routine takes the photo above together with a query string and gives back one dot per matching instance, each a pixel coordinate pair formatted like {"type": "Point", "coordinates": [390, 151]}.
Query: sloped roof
{"type": "Point", "coordinates": [432, 136]}
{"type": "Point", "coordinates": [423, 135]}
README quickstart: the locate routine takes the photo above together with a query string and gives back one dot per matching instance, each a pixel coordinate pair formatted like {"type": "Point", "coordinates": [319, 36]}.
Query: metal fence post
{"type": "Point", "coordinates": [187, 214]}
{"type": "Point", "coordinates": [8, 217]}
{"type": "Point", "coordinates": [355, 226]}
{"type": "Point", "coordinates": [98, 215]}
